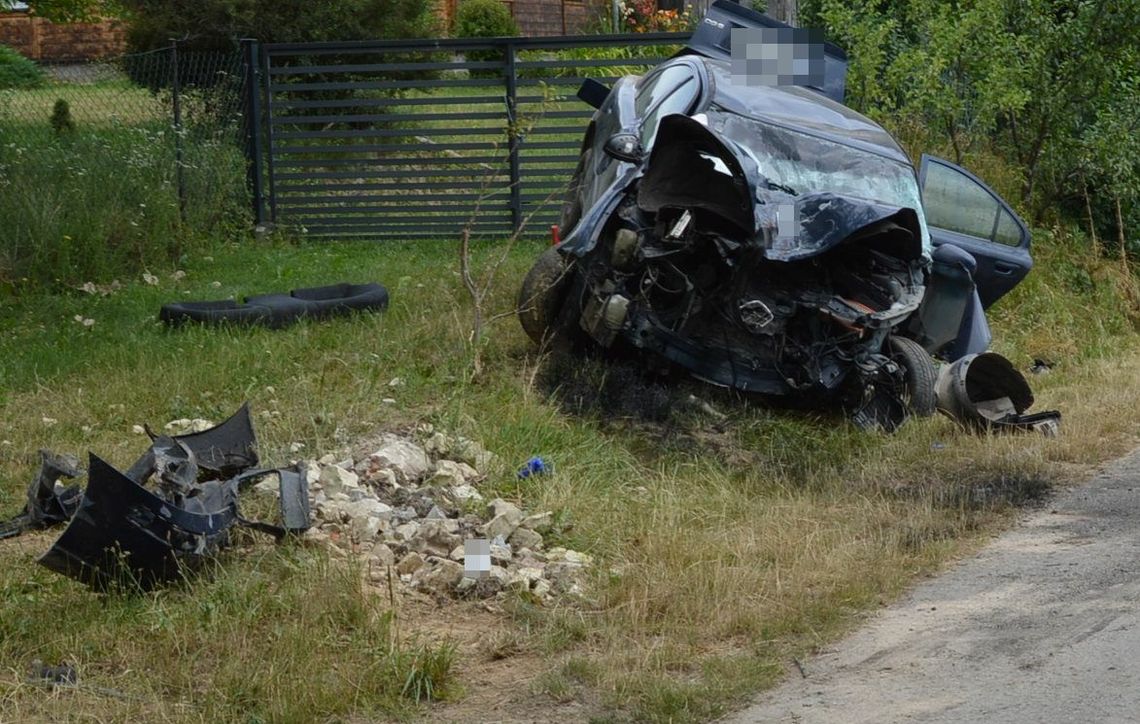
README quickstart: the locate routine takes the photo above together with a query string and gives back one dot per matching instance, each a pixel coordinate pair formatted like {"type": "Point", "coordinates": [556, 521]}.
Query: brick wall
{"type": "Point", "coordinates": [537, 17]}
{"type": "Point", "coordinates": [549, 17]}
{"type": "Point", "coordinates": [42, 40]}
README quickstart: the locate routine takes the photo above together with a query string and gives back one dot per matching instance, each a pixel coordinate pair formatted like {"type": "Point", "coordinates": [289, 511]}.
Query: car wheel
{"type": "Point", "coordinates": [919, 375]}
{"type": "Point", "coordinates": [542, 293]}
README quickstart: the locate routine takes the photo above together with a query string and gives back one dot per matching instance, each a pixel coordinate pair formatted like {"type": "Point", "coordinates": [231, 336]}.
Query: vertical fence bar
{"type": "Point", "coordinates": [254, 174]}
{"type": "Point", "coordinates": [513, 138]}
{"type": "Point", "coordinates": [269, 133]}
{"type": "Point", "coordinates": [175, 89]}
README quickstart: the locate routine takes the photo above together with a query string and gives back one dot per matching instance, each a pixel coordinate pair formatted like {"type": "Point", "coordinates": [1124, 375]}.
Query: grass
{"type": "Point", "coordinates": [103, 199]}
{"type": "Point", "coordinates": [727, 547]}
{"type": "Point", "coordinates": [109, 103]}
{"type": "Point", "coordinates": [94, 203]}
{"type": "Point", "coordinates": [232, 648]}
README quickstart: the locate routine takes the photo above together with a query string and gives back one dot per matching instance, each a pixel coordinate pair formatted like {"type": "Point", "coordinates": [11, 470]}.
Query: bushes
{"type": "Point", "coordinates": [214, 24]}
{"type": "Point", "coordinates": [484, 19]}
{"type": "Point", "coordinates": [1050, 87]}
{"type": "Point", "coordinates": [61, 121]}
{"type": "Point", "coordinates": [17, 72]}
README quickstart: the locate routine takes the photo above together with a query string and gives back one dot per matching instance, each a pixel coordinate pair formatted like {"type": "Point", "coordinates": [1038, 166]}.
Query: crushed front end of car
{"type": "Point", "coordinates": [714, 260]}
{"type": "Point", "coordinates": [769, 239]}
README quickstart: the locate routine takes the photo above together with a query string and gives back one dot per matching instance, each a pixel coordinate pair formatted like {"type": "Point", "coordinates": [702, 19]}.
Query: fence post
{"type": "Point", "coordinates": [176, 87]}
{"type": "Point", "coordinates": [254, 177]}
{"type": "Point", "coordinates": [265, 75]}
{"type": "Point", "coordinates": [513, 139]}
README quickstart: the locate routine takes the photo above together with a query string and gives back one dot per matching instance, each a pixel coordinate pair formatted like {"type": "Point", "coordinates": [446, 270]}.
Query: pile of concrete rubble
{"type": "Point", "coordinates": [408, 508]}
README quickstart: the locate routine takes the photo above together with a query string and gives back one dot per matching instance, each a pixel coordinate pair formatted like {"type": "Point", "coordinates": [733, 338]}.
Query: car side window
{"type": "Point", "coordinates": [1008, 232]}
{"type": "Point", "coordinates": [955, 201]}
{"type": "Point", "coordinates": [673, 90]}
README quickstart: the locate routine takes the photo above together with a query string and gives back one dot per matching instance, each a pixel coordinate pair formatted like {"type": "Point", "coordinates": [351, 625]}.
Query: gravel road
{"type": "Point", "coordinates": [1041, 626]}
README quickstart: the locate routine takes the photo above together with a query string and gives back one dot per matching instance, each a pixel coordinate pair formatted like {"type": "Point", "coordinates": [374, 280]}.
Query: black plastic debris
{"type": "Point", "coordinates": [280, 310]}
{"type": "Point", "coordinates": [122, 532]}
{"type": "Point", "coordinates": [986, 392]}
{"type": "Point", "coordinates": [225, 449]}
{"type": "Point", "coordinates": [53, 675]}
{"type": "Point", "coordinates": [50, 502]}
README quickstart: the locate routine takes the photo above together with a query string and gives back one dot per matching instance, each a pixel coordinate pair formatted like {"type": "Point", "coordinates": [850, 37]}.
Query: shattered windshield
{"type": "Point", "coordinates": [798, 163]}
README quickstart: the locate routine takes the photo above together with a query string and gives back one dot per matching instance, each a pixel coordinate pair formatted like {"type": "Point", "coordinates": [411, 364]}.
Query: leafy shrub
{"type": "Point", "coordinates": [643, 16]}
{"type": "Point", "coordinates": [1050, 88]}
{"type": "Point", "coordinates": [484, 19]}
{"type": "Point", "coordinates": [214, 24]}
{"type": "Point", "coordinates": [16, 71]}
{"type": "Point", "coordinates": [61, 121]}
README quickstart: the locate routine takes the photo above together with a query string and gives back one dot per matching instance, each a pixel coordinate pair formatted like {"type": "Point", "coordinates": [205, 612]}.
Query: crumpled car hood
{"type": "Point", "coordinates": [792, 228]}
{"type": "Point", "coordinates": [692, 166]}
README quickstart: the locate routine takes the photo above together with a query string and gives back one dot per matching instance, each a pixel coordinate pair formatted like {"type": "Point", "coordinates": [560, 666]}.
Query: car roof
{"type": "Point", "coordinates": [800, 109]}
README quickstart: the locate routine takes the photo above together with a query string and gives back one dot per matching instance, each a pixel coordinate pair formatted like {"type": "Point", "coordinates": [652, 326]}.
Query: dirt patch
{"type": "Point", "coordinates": [588, 386]}
{"type": "Point", "coordinates": [494, 670]}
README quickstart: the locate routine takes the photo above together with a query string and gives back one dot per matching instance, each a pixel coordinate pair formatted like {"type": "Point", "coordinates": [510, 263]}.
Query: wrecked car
{"type": "Point", "coordinates": [769, 239]}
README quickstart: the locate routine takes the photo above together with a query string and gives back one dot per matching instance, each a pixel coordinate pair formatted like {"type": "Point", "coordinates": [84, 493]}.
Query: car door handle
{"type": "Point", "coordinates": [1004, 269]}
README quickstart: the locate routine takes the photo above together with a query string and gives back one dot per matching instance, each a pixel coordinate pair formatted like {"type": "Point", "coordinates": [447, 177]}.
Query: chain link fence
{"type": "Point", "coordinates": [154, 141]}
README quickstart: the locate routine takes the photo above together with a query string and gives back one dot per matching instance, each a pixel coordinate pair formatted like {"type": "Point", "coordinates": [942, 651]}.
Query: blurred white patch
{"type": "Point", "coordinates": [786, 221]}
{"type": "Point", "coordinates": [476, 557]}
{"type": "Point", "coordinates": [777, 57]}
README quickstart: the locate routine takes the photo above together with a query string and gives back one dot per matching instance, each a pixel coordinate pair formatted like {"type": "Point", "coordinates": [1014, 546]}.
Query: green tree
{"type": "Point", "coordinates": [1047, 84]}
{"type": "Point", "coordinates": [72, 11]}
{"type": "Point", "coordinates": [213, 24]}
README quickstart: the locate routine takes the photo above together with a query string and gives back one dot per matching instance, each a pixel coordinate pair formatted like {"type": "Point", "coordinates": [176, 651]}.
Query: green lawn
{"type": "Point", "coordinates": [726, 547]}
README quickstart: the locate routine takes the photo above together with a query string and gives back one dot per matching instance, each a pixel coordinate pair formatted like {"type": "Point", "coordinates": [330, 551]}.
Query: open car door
{"type": "Point", "coordinates": [963, 211]}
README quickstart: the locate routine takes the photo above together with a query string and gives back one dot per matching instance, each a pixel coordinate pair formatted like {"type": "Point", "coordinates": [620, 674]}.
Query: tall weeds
{"type": "Point", "coordinates": [97, 203]}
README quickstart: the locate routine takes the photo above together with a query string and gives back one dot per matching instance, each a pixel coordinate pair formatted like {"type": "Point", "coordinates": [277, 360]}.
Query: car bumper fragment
{"type": "Point", "coordinates": [985, 392]}
{"type": "Point", "coordinates": [120, 532]}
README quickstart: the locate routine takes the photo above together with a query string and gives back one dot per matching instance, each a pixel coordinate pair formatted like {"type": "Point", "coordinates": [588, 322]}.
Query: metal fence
{"type": "Point", "coordinates": [189, 105]}
{"type": "Point", "coordinates": [383, 140]}
{"type": "Point", "coordinates": [122, 163]}
{"type": "Point", "coordinates": [420, 139]}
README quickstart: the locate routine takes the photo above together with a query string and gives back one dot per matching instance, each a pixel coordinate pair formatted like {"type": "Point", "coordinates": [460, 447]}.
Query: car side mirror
{"type": "Point", "coordinates": [624, 147]}
{"type": "Point", "coordinates": [593, 92]}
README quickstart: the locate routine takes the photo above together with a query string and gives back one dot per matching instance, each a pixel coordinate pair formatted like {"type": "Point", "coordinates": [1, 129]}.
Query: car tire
{"type": "Point", "coordinates": [318, 303]}
{"type": "Point", "coordinates": [542, 294]}
{"type": "Point", "coordinates": [919, 375]}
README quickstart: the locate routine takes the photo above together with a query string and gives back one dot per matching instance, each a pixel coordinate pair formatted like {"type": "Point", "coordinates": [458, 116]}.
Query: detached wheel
{"type": "Point", "coordinates": [543, 291]}
{"type": "Point", "coordinates": [919, 375]}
